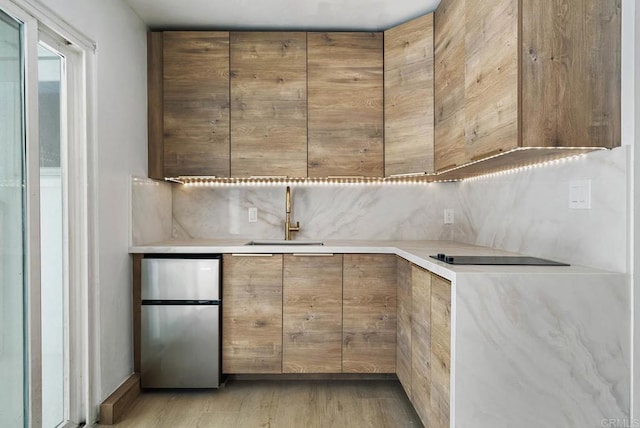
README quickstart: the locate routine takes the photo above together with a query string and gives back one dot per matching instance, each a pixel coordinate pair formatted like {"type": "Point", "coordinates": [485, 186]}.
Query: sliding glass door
{"type": "Point", "coordinates": [44, 218]}
{"type": "Point", "coordinates": [53, 281]}
{"type": "Point", "coordinates": [13, 393]}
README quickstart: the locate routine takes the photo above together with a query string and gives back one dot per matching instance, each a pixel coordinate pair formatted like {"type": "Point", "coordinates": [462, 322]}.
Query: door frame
{"type": "Point", "coordinates": [81, 186]}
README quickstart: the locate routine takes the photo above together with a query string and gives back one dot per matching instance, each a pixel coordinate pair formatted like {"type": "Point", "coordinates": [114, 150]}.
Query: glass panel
{"type": "Point", "coordinates": [51, 237]}
{"type": "Point", "coordinates": [12, 224]}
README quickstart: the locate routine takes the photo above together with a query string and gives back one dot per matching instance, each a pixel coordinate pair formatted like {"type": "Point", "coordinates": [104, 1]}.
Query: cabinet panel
{"type": "Point", "coordinates": [345, 104]}
{"type": "Point", "coordinates": [268, 103]}
{"type": "Point", "coordinates": [405, 306]}
{"type": "Point", "coordinates": [369, 313]}
{"type": "Point", "coordinates": [408, 97]}
{"type": "Point", "coordinates": [449, 47]}
{"type": "Point", "coordinates": [491, 78]}
{"type": "Point", "coordinates": [421, 343]}
{"type": "Point", "coordinates": [571, 73]}
{"type": "Point", "coordinates": [440, 351]}
{"type": "Point", "coordinates": [312, 314]}
{"type": "Point", "coordinates": [196, 103]}
{"type": "Point", "coordinates": [252, 314]}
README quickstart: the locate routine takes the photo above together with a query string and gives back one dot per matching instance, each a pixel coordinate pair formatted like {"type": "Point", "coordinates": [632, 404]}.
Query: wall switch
{"type": "Point", "coordinates": [448, 216]}
{"type": "Point", "coordinates": [580, 195]}
{"type": "Point", "coordinates": [253, 215]}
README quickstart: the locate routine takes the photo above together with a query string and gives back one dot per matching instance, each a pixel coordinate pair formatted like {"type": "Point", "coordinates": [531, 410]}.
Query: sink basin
{"type": "Point", "coordinates": [283, 242]}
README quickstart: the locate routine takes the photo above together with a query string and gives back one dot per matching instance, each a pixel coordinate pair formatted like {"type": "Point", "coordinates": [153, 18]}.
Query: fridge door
{"type": "Point", "coordinates": [180, 279]}
{"type": "Point", "coordinates": [180, 346]}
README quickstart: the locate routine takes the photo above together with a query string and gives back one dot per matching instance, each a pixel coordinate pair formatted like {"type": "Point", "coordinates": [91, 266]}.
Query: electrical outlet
{"type": "Point", "coordinates": [253, 215]}
{"type": "Point", "coordinates": [448, 216]}
{"type": "Point", "coordinates": [580, 195]}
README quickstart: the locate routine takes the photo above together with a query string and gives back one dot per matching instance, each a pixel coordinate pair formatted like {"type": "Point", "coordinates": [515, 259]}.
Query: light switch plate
{"type": "Point", "coordinates": [580, 195]}
{"type": "Point", "coordinates": [253, 215]}
{"type": "Point", "coordinates": [449, 215]}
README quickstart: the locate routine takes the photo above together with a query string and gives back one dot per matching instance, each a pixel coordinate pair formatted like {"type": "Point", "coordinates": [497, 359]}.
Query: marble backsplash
{"type": "Point", "coordinates": [151, 211]}
{"type": "Point", "coordinates": [524, 211]}
{"type": "Point", "coordinates": [406, 212]}
{"type": "Point", "coordinates": [528, 211]}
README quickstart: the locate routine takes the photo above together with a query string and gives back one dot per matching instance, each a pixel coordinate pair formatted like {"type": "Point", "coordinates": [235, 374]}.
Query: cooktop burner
{"type": "Point", "coordinates": [496, 260]}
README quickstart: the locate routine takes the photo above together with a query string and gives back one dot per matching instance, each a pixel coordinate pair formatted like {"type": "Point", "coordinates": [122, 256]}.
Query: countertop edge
{"type": "Point", "coordinates": [416, 252]}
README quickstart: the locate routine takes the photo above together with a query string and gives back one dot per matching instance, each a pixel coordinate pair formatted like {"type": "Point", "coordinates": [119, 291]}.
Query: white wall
{"type": "Point", "coordinates": [121, 151]}
{"type": "Point", "coordinates": [631, 33]}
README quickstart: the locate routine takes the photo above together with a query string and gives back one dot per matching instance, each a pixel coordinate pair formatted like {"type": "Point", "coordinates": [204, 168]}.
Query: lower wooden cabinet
{"type": "Point", "coordinates": [440, 351]}
{"type": "Point", "coordinates": [403, 345]}
{"type": "Point", "coordinates": [421, 382]}
{"type": "Point", "coordinates": [424, 342]}
{"type": "Point", "coordinates": [312, 314]}
{"type": "Point", "coordinates": [369, 313]}
{"type": "Point", "coordinates": [252, 314]}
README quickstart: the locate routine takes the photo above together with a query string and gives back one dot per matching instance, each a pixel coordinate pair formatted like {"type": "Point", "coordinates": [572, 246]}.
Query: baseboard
{"type": "Point", "coordinates": [314, 376]}
{"type": "Point", "coordinates": [116, 405]}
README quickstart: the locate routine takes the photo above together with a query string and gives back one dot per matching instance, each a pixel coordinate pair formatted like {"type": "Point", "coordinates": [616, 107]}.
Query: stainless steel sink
{"type": "Point", "coordinates": [283, 242]}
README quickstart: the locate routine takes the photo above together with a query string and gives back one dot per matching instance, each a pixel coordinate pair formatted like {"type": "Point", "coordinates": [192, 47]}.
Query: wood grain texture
{"type": "Point", "coordinates": [252, 314]}
{"type": "Point", "coordinates": [449, 77]}
{"type": "Point", "coordinates": [491, 77]}
{"type": "Point", "coordinates": [421, 343]}
{"type": "Point", "coordinates": [268, 103]}
{"type": "Point", "coordinates": [312, 314]}
{"type": "Point", "coordinates": [440, 351]}
{"type": "Point", "coordinates": [403, 344]}
{"type": "Point", "coordinates": [369, 313]}
{"type": "Point", "coordinates": [196, 103]}
{"type": "Point", "coordinates": [277, 404]}
{"type": "Point", "coordinates": [120, 401]}
{"type": "Point", "coordinates": [155, 106]}
{"type": "Point", "coordinates": [136, 260]}
{"type": "Point", "coordinates": [571, 73]}
{"type": "Point", "coordinates": [408, 97]}
{"type": "Point", "coordinates": [345, 104]}
{"type": "Point", "coordinates": [520, 157]}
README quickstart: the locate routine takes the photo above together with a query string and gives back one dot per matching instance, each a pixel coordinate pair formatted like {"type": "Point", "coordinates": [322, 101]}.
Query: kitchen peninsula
{"type": "Point", "coordinates": [529, 346]}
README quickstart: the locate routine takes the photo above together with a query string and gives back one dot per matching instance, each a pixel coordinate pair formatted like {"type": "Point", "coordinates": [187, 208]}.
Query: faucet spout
{"type": "Point", "coordinates": [288, 227]}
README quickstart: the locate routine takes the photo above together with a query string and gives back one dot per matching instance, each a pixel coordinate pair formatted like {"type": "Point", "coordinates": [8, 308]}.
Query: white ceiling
{"type": "Point", "coordinates": [279, 14]}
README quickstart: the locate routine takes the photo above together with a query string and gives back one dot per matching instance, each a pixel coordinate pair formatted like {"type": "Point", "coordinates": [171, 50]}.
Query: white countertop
{"type": "Point", "coordinates": [417, 252]}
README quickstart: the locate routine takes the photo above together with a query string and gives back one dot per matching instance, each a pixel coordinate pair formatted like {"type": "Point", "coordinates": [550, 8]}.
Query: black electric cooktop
{"type": "Point", "coordinates": [496, 260]}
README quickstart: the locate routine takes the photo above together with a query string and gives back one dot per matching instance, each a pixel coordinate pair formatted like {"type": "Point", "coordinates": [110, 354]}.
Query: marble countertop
{"type": "Point", "coordinates": [417, 252]}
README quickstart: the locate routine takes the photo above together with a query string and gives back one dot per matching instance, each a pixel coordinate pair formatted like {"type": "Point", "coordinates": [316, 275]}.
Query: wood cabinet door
{"type": "Point", "coordinates": [369, 313]}
{"type": "Point", "coordinates": [491, 78]}
{"type": "Point", "coordinates": [196, 103]}
{"type": "Point", "coordinates": [421, 343]}
{"type": "Point", "coordinates": [440, 351]}
{"type": "Point", "coordinates": [345, 105]}
{"type": "Point", "coordinates": [571, 73]}
{"type": "Point", "coordinates": [408, 97]}
{"type": "Point", "coordinates": [268, 104]}
{"type": "Point", "coordinates": [312, 314]}
{"type": "Point", "coordinates": [405, 306]}
{"type": "Point", "coordinates": [252, 314]}
{"type": "Point", "coordinates": [449, 76]}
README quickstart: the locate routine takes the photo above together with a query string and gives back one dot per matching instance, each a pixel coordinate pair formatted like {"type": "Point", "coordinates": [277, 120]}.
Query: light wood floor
{"type": "Point", "coordinates": [275, 404]}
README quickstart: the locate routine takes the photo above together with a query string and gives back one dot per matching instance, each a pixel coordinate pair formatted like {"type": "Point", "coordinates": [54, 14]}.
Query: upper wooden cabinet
{"type": "Point", "coordinates": [529, 74]}
{"type": "Point", "coordinates": [188, 103]}
{"type": "Point", "coordinates": [345, 104]}
{"type": "Point", "coordinates": [268, 104]}
{"type": "Point", "coordinates": [449, 48]}
{"type": "Point", "coordinates": [408, 97]}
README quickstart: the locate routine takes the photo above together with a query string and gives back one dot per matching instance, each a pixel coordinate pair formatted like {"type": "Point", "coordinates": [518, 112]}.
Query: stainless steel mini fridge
{"type": "Point", "coordinates": [180, 322]}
